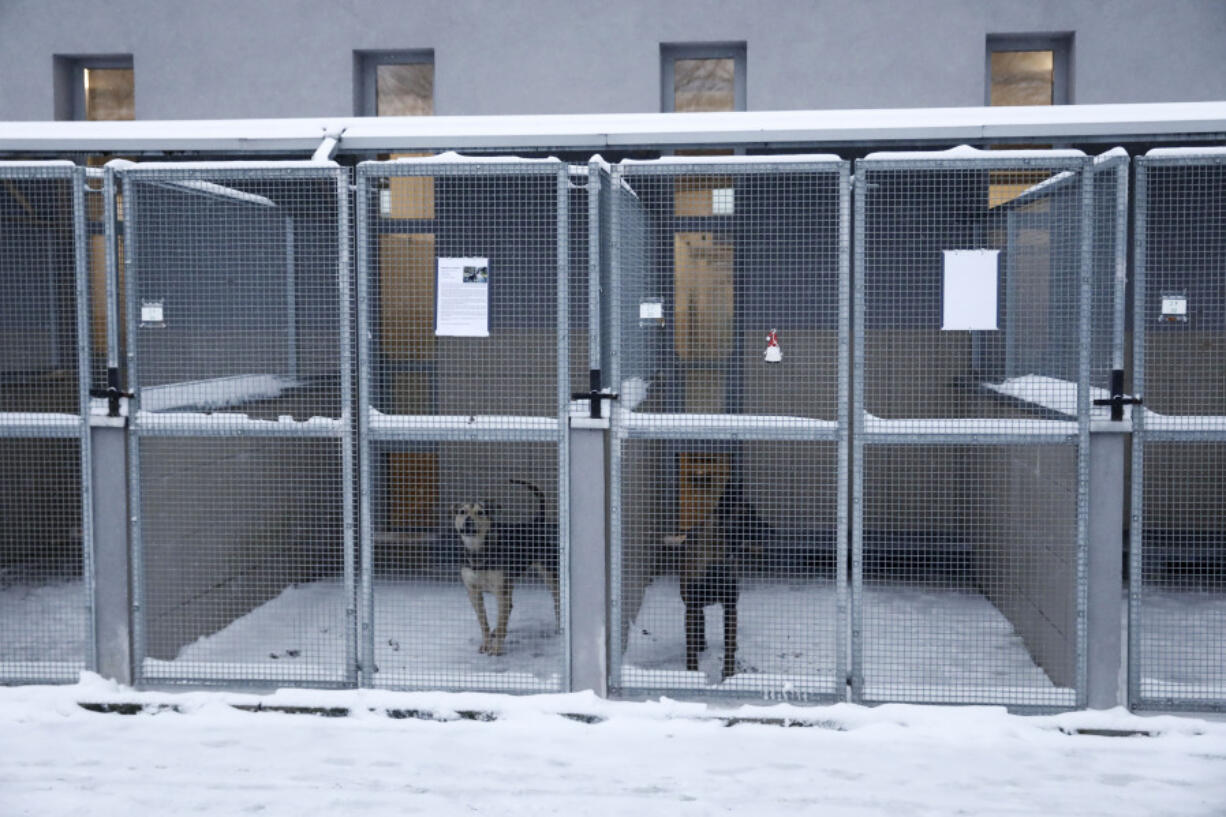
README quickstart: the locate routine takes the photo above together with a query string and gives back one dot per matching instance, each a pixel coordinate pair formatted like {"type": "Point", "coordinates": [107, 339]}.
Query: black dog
{"type": "Point", "coordinates": [497, 553]}
{"type": "Point", "coordinates": [711, 558]}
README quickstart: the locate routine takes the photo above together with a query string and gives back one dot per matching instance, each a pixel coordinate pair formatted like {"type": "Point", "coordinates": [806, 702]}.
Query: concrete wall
{"type": "Point", "coordinates": [1028, 568]}
{"type": "Point", "coordinates": [40, 505]}
{"type": "Point", "coordinates": [232, 59]}
{"type": "Point", "coordinates": [228, 524]}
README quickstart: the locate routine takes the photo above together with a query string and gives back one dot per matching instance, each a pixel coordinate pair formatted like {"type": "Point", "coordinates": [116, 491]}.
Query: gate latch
{"type": "Point", "coordinates": [1118, 399]}
{"type": "Point", "coordinates": [595, 394]}
{"type": "Point", "coordinates": [111, 393]}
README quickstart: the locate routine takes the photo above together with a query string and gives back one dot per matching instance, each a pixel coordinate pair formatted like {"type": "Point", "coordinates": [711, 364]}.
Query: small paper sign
{"type": "Point", "coordinates": [463, 308]}
{"type": "Point", "coordinates": [152, 314]}
{"type": "Point", "coordinates": [1174, 308]}
{"type": "Point", "coordinates": [651, 311]}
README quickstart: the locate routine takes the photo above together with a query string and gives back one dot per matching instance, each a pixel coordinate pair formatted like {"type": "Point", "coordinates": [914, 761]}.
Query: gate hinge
{"type": "Point", "coordinates": [1118, 399]}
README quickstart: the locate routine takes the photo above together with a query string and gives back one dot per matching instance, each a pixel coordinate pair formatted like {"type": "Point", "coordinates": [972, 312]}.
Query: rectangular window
{"type": "Point", "coordinates": [394, 83]}
{"type": "Point", "coordinates": [1028, 70]}
{"type": "Point", "coordinates": [95, 88]}
{"type": "Point", "coordinates": [702, 77]}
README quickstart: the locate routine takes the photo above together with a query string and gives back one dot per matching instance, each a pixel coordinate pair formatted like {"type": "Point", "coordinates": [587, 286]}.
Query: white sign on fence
{"type": "Point", "coordinates": [970, 289]}
{"type": "Point", "coordinates": [463, 308]}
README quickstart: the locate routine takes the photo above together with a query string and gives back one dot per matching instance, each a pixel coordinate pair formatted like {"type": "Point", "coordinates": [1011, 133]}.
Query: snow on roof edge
{"type": "Point", "coordinates": [976, 154]}
{"type": "Point", "coordinates": [791, 158]}
{"type": "Point", "coordinates": [597, 131]}
{"type": "Point", "coordinates": [1175, 153]}
{"type": "Point", "coordinates": [226, 164]}
{"type": "Point", "coordinates": [454, 157]}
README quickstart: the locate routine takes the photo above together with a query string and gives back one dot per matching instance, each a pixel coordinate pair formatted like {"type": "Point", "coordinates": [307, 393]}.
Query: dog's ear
{"type": "Point", "coordinates": [456, 507]}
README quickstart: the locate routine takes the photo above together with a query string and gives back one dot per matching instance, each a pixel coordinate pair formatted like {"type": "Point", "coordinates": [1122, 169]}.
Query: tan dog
{"type": "Point", "coordinates": [496, 554]}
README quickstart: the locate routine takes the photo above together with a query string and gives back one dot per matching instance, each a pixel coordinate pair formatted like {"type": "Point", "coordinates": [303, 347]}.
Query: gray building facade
{"type": "Point", "coordinates": [293, 58]}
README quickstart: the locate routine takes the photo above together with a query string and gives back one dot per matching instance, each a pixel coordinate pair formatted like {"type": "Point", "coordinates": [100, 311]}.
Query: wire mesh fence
{"type": "Point", "coordinates": [45, 592]}
{"type": "Point", "coordinates": [1177, 645]}
{"type": "Point", "coordinates": [729, 469]}
{"type": "Point", "coordinates": [465, 293]}
{"type": "Point", "coordinates": [811, 484]}
{"type": "Point", "coordinates": [972, 356]}
{"type": "Point", "coordinates": [240, 445]}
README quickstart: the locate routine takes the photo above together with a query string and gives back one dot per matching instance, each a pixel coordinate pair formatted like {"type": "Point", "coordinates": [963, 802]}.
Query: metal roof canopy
{"type": "Point", "coordinates": [1182, 121]}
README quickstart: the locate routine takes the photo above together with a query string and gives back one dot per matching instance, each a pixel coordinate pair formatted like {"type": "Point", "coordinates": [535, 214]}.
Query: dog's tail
{"type": "Point", "coordinates": [540, 497]}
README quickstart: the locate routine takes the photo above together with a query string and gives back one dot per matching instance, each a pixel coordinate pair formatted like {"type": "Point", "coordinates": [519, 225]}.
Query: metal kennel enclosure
{"type": "Point", "coordinates": [1177, 595]}
{"type": "Point", "coordinates": [46, 613]}
{"type": "Point", "coordinates": [985, 289]}
{"type": "Point", "coordinates": [240, 442]}
{"type": "Point", "coordinates": [729, 335]}
{"type": "Point", "coordinates": [464, 301]}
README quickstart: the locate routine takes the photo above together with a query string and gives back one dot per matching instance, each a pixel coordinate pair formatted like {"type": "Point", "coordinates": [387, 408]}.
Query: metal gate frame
{"type": "Point", "coordinates": [1079, 431]}
{"type": "Point", "coordinates": [67, 426]}
{"type": "Point", "coordinates": [625, 427]}
{"type": "Point", "coordinates": [1141, 434]}
{"type": "Point", "coordinates": [144, 426]}
{"type": "Point", "coordinates": [458, 429]}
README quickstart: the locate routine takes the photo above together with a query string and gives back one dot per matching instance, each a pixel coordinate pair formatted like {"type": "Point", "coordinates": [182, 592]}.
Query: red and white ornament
{"type": "Point", "coordinates": [773, 353]}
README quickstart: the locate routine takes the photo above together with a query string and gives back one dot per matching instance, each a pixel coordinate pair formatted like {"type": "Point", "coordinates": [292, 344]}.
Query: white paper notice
{"type": "Point", "coordinates": [970, 289]}
{"type": "Point", "coordinates": [463, 308]}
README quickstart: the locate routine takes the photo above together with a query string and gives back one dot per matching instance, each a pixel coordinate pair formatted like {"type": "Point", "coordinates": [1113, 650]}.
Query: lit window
{"type": "Point", "coordinates": [95, 88]}
{"type": "Point", "coordinates": [395, 83]}
{"type": "Point", "coordinates": [699, 78]}
{"type": "Point", "coordinates": [1028, 70]}
{"type": "Point", "coordinates": [109, 93]}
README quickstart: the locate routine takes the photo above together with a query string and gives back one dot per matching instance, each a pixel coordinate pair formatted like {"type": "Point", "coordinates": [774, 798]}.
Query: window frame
{"type": "Point", "coordinates": [1060, 44]}
{"type": "Point", "coordinates": [70, 81]}
{"type": "Point", "coordinates": [671, 52]}
{"type": "Point", "coordinates": [365, 75]}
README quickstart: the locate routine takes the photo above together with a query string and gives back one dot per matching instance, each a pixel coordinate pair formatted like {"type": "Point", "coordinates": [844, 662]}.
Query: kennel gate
{"type": "Point", "coordinates": [240, 443]}
{"type": "Point", "coordinates": [729, 353]}
{"type": "Point", "coordinates": [464, 323]}
{"type": "Point", "coordinates": [978, 322]}
{"type": "Point", "coordinates": [1177, 589]}
{"type": "Point", "coordinates": [46, 575]}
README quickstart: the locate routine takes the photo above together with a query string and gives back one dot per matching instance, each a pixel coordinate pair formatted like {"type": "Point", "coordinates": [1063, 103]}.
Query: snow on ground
{"type": "Point", "coordinates": [926, 644]}
{"type": "Point", "coordinates": [920, 644]}
{"type": "Point", "coordinates": [42, 630]}
{"type": "Point", "coordinates": [643, 759]}
{"type": "Point", "coordinates": [1184, 633]}
{"type": "Point", "coordinates": [425, 634]}
{"type": "Point", "coordinates": [662, 757]}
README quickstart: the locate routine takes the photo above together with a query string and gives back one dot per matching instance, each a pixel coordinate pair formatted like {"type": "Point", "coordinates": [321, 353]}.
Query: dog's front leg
{"type": "Point", "coordinates": [503, 594]}
{"type": "Point", "coordinates": [477, 600]}
{"type": "Point", "coordinates": [694, 631]}
{"type": "Point", "coordinates": [729, 639]}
